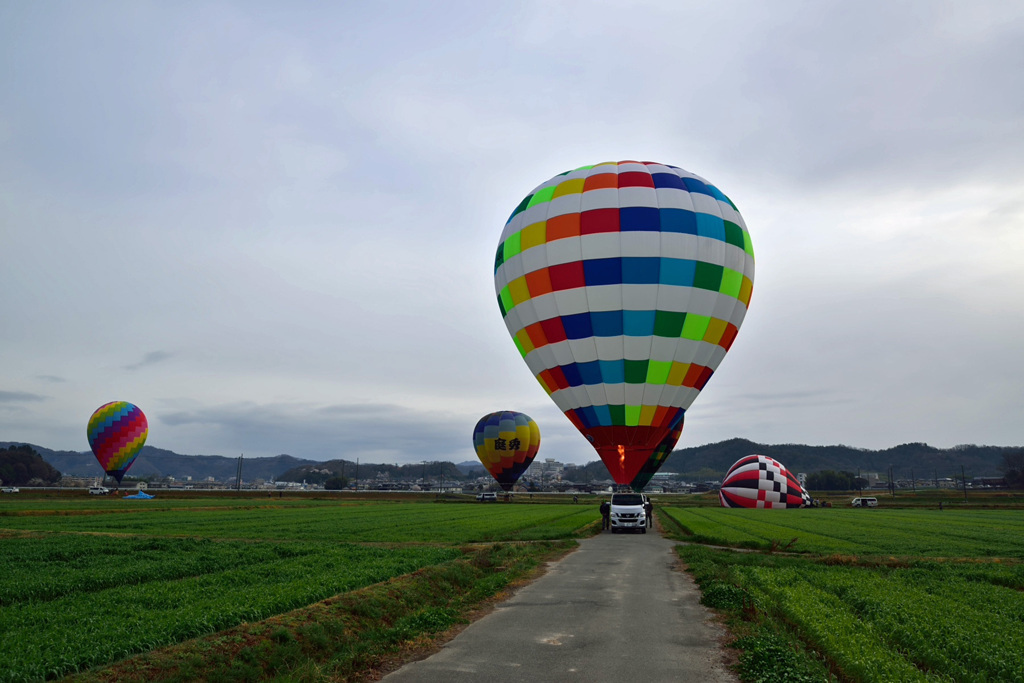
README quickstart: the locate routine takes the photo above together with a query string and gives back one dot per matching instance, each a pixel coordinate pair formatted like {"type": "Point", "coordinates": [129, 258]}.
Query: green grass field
{"type": "Point", "coordinates": [251, 588]}
{"type": "Point", "coordinates": [869, 595]}
{"type": "Point", "coordinates": [88, 582]}
{"type": "Point", "coordinates": [927, 533]}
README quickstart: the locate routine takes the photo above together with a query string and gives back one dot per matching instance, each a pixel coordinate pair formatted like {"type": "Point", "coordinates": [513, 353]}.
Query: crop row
{"type": "Point", "coordinates": [396, 522]}
{"type": "Point", "coordinates": [929, 621]}
{"type": "Point", "coordinates": [986, 533]}
{"type": "Point", "coordinates": [880, 627]}
{"type": "Point", "coordinates": [79, 629]}
{"type": "Point", "coordinates": [45, 567]}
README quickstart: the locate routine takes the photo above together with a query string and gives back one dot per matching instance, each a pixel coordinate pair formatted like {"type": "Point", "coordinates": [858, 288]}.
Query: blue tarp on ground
{"type": "Point", "coordinates": [141, 495]}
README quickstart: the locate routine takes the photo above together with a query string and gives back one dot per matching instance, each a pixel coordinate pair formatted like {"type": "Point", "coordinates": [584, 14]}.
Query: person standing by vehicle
{"type": "Point", "coordinates": [649, 513]}
{"type": "Point", "coordinates": [606, 514]}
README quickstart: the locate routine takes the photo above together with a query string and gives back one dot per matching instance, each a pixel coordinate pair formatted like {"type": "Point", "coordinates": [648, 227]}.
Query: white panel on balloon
{"type": "Point", "coordinates": [610, 348]}
{"type": "Point", "coordinates": [605, 298]}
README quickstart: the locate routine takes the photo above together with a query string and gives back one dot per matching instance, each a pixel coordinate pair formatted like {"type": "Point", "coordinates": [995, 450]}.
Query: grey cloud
{"type": "Point", "coordinates": [20, 397]}
{"type": "Point", "coordinates": [151, 358]}
{"type": "Point", "coordinates": [384, 432]}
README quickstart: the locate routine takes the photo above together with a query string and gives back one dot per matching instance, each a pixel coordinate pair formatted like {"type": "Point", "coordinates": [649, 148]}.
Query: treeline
{"type": "Point", "coordinates": [906, 460]}
{"type": "Point", "coordinates": [1013, 469]}
{"type": "Point", "coordinates": [20, 465]}
{"type": "Point", "coordinates": [347, 470]}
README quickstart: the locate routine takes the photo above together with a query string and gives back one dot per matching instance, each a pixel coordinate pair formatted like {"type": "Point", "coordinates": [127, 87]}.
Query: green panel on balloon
{"type": "Point", "coordinates": [632, 416]}
{"type": "Point", "coordinates": [695, 327]}
{"type": "Point", "coordinates": [657, 371]}
{"type": "Point", "coordinates": [733, 234]}
{"type": "Point", "coordinates": [668, 323]}
{"type": "Point", "coordinates": [708, 276]}
{"type": "Point", "coordinates": [542, 196]}
{"type": "Point", "coordinates": [636, 371]}
{"type": "Point", "coordinates": [732, 280]}
{"type": "Point", "coordinates": [511, 246]}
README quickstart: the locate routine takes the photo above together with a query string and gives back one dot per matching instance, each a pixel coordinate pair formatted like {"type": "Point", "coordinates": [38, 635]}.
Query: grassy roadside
{"type": "Point", "coordinates": [769, 649]}
{"type": "Point", "coordinates": [351, 636]}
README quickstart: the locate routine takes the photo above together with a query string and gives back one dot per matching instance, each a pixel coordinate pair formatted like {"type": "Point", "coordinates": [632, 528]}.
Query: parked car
{"type": "Point", "coordinates": [10, 489]}
{"type": "Point", "coordinates": [487, 497]}
{"type": "Point", "coordinates": [627, 512]}
{"type": "Point", "coordinates": [98, 490]}
{"type": "Point", "coordinates": [864, 502]}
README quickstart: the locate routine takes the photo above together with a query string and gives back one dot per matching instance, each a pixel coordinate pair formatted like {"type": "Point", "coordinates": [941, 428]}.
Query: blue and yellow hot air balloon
{"type": "Point", "coordinates": [506, 443]}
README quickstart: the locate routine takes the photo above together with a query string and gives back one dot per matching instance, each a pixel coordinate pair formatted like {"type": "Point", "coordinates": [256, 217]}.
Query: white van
{"type": "Point", "coordinates": [864, 502]}
{"type": "Point", "coordinates": [98, 490]}
{"type": "Point", "coordinates": [628, 512]}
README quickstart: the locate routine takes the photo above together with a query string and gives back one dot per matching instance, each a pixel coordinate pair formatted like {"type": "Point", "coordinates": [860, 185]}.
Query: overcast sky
{"type": "Point", "coordinates": [272, 226]}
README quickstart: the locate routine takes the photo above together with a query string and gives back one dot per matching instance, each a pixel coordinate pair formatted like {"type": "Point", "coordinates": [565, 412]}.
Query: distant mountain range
{"type": "Point", "coordinates": [697, 462]}
{"type": "Point", "coordinates": [158, 463]}
{"type": "Point", "coordinates": [920, 458]}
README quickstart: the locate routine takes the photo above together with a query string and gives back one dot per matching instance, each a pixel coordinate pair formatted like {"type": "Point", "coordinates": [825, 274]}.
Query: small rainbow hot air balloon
{"type": "Point", "coordinates": [506, 443]}
{"type": "Point", "coordinates": [757, 481]}
{"type": "Point", "coordinates": [117, 432]}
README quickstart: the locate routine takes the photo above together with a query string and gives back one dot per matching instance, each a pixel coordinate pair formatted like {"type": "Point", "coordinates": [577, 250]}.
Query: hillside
{"type": "Point", "coordinates": [158, 462]}
{"type": "Point", "coordinates": [924, 460]}
{"type": "Point", "coordinates": [21, 465]}
{"type": "Point", "coordinates": [709, 461]}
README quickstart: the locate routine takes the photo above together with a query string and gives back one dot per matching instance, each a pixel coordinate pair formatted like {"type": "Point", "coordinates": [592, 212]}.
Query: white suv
{"type": "Point", "coordinates": [98, 491]}
{"type": "Point", "coordinates": [628, 512]}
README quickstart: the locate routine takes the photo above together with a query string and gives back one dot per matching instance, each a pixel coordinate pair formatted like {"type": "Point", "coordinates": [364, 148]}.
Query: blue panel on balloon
{"type": "Point", "coordinates": [710, 226]}
{"type": "Point", "coordinates": [636, 218]}
{"type": "Point", "coordinates": [577, 326]}
{"type": "Point", "coordinates": [572, 374]}
{"type": "Point", "coordinates": [604, 271]}
{"type": "Point", "coordinates": [590, 372]}
{"type": "Point", "coordinates": [613, 371]}
{"type": "Point", "coordinates": [606, 323]}
{"type": "Point", "coordinates": [677, 271]}
{"type": "Point", "coordinates": [638, 323]}
{"type": "Point", "coordinates": [668, 180]}
{"type": "Point", "coordinates": [678, 220]}
{"type": "Point", "coordinates": [694, 185]}
{"type": "Point", "coordinates": [641, 270]}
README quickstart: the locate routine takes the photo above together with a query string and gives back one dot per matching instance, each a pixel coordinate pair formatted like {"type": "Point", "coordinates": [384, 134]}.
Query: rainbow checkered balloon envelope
{"type": "Point", "coordinates": [506, 443]}
{"type": "Point", "coordinates": [658, 457]}
{"type": "Point", "coordinates": [623, 285]}
{"type": "Point", "coordinates": [117, 432]}
{"type": "Point", "coordinates": [757, 481]}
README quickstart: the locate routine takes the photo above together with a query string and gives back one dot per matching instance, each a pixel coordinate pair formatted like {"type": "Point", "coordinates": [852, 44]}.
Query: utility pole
{"type": "Point", "coordinates": [913, 482]}
{"type": "Point", "coordinates": [963, 478]}
{"type": "Point", "coordinates": [238, 473]}
{"type": "Point", "coordinates": [357, 474]}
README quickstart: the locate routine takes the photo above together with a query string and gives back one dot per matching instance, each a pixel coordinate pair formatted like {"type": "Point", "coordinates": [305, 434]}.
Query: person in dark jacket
{"type": "Point", "coordinates": [649, 513]}
{"type": "Point", "coordinates": [606, 515]}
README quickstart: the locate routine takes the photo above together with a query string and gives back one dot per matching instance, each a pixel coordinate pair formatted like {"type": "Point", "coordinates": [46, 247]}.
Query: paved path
{"type": "Point", "coordinates": [614, 611]}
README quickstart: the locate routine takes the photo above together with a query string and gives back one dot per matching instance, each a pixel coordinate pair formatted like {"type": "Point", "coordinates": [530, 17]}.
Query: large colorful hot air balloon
{"type": "Point", "coordinates": [757, 481]}
{"type": "Point", "coordinates": [623, 285]}
{"type": "Point", "coordinates": [506, 443]}
{"type": "Point", "coordinates": [657, 459]}
{"type": "Point", "coordinates": [117, 432]}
